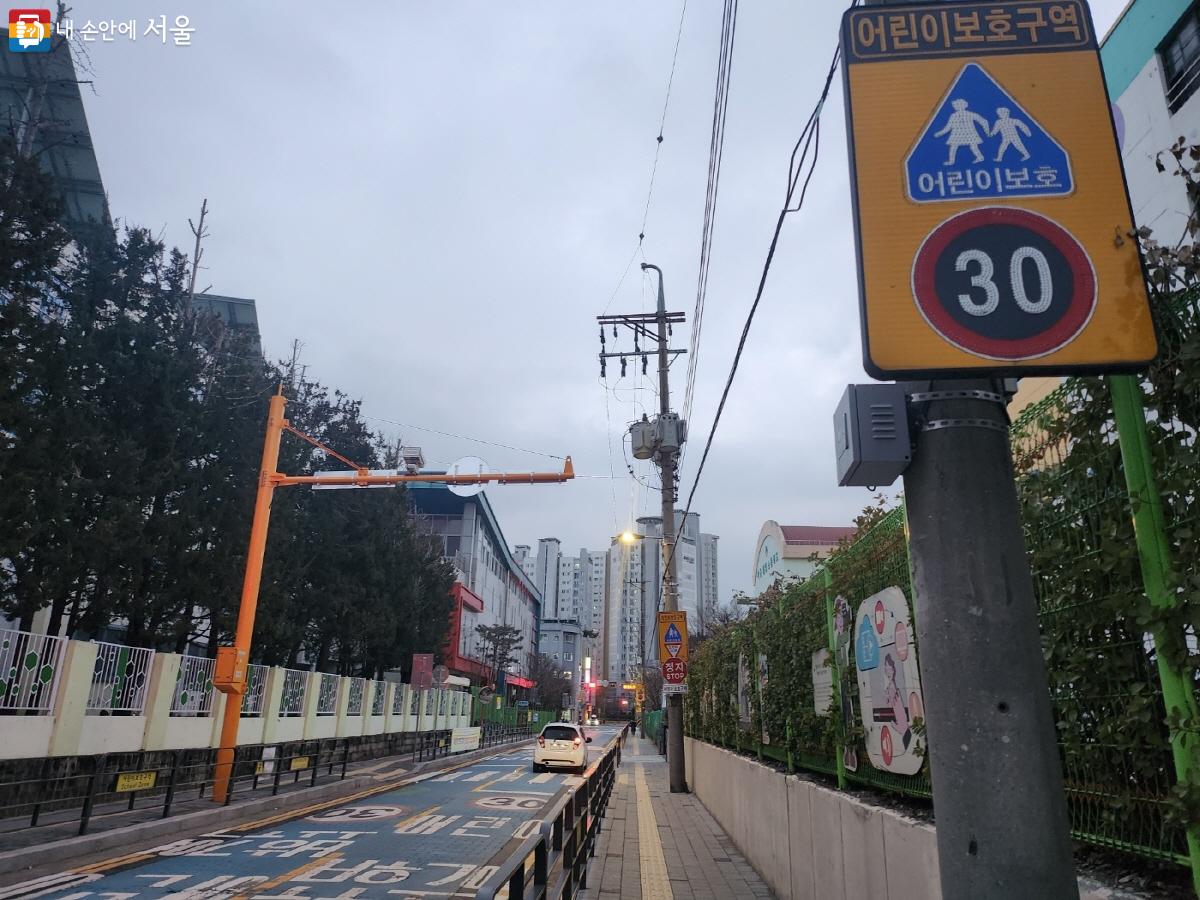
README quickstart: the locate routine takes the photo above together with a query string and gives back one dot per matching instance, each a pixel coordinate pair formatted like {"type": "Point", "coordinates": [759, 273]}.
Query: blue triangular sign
{"type": "Point", "coordinates": [981, 143]}
{"type": "Point", "coordinates": [672, 636]}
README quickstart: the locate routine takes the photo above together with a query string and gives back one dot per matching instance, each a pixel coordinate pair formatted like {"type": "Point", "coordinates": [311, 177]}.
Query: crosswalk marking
{"type": "Point", "coordinates": [449, 777]}
{"type": "Point", "coordinates": [479, 776]}
{"type": "Point", "coordinates": [541, 779]}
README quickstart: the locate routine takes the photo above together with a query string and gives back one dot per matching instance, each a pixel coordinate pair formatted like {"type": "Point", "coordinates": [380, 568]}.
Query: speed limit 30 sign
{"type": "Point", "coordinates": [991, 212]}
{"type": "Point", "coordinates": [1004, 283]}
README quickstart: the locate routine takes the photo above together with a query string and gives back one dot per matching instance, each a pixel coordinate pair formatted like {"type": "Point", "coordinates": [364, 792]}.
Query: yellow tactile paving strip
{"type": "Point", "coordinates": [655, 884]}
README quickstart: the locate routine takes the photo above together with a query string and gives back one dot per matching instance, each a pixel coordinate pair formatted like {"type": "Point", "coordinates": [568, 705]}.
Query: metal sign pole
{"type": "Point", "coordinates": [1002, 824]}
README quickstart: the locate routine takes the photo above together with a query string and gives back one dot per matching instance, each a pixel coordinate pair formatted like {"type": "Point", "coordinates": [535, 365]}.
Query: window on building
{"type": "Point", "coordinates": [1180, 55]}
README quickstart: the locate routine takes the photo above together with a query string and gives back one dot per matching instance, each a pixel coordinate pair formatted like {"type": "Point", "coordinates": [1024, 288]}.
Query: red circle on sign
{"type": "Point", "coordinates": [674, 671]}
{"type": "Point", "coordinates": [885, 745]}
{"type": "Point", "coordinates": [1058, 334]}
{"type": "Point", "coordinates": [880, 616]}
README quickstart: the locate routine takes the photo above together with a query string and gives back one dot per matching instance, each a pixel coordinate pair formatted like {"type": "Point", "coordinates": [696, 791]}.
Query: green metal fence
{"type": "Point", "coordinates": [510, 715]}
{"type": "Point", "coordinates": [1114, 742]}
{"type": "Point", "coordinates": [1103, 680]}
{"type": "Point", "coordinates": [652, 724]}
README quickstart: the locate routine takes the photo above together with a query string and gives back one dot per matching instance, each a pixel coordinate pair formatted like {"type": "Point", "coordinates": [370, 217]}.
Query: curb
{"type": "Point", "coordinates": [148, 834]}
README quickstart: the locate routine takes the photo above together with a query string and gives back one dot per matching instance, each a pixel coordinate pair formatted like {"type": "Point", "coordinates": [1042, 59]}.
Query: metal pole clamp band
{"type": "Point", "coordinates": [989, 396]}
{"type": "Point", "coordinates": [938, 424]}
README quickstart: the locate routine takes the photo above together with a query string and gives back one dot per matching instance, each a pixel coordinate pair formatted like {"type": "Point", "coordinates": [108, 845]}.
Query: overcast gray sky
{"type": "Point", "coordinates": [438, 198]}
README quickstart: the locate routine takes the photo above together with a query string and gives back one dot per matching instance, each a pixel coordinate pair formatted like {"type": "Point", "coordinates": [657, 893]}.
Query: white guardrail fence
{"type": "Point", "coordinates": [78, 698]}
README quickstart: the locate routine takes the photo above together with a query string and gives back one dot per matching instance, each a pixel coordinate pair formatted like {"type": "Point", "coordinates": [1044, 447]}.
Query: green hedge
{"type": "Point", "coordinates": [1115, 743]}
{"type": "Point", "coordinates": [787, 632]}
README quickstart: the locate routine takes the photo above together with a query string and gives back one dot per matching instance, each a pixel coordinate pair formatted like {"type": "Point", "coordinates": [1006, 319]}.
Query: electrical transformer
{"type": "Point", "coordinates": [641, 439]}
{"type": "Point", "coordinates": [670, 432]}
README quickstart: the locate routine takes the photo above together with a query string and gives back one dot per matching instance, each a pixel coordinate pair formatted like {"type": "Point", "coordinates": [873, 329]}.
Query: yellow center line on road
{"type": "Point", "coordinates": [141, 856]}
{"type": "Point", "coordinates": [342, 801]}
{"type": "Point", "coordinates": [112, 863]}
{"type": "Point", "coordinates": [288, 876]}
{"type": "Point", "coordinates": [487, 784]}
{"type": "Point", "coordinates": [655, 883]}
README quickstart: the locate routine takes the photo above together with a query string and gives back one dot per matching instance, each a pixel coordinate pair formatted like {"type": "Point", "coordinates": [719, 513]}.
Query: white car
{"type": "Point", "coordinates": [561, 746]}
{"type": "Point", "coordinates": [594, 722]}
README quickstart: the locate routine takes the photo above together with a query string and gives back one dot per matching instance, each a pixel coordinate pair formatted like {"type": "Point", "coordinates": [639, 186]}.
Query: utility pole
{"type": "Point", "coordinates": [1002, 824]}
{"type": "Point", "coordinates": [667, 458]}
{"type": "Point", "coordinates": [669, 433]}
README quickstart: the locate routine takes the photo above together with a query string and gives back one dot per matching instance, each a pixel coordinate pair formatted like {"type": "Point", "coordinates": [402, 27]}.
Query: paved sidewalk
{"type": "Point", "coordinates": [657, 845]}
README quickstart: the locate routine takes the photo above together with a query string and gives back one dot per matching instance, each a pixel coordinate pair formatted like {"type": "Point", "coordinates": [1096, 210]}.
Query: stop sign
{"type": "Point", "coordinates": [674, 671]}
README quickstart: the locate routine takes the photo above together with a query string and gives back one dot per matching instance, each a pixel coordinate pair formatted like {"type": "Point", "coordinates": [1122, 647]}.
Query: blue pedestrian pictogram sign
{"type": "Point", "coordinates": [980, 143]}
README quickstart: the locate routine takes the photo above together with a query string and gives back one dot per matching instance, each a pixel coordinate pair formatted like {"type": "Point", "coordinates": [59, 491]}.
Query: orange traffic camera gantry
{"type": "Point", "coordinates": [229, 676]}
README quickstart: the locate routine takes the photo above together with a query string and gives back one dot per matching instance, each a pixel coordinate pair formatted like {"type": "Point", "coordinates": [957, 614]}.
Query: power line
{"type": "Point", "coordinates": [638, 250]}
{"type": "Point", "coordinates": [658, 141]}
{"type": "Point", "coordinates": [462, 437]}
{"type": "Point", "coordinates": [808, 138]}
{"type": "Point", "coordinates": [608, 435]}
{"type": "Point", "coordinates": [662, 123]}
{"type": "Point", "coordinates": [716, 151]}
{"type": "Point", "coordinates": [632, 472]}
{"type": "Point", "coordinates": [620, 281]}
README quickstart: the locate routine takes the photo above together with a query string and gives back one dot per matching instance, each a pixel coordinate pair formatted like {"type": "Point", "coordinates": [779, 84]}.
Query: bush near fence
{"type": "Point", "coordinates": [788, 631]}
{"type": "Point", "coordinates": [1095, 620]}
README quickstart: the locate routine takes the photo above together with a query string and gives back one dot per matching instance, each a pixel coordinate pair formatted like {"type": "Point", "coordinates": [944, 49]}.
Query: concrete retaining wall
{"type": "Point", "coordinates": [810, 842]}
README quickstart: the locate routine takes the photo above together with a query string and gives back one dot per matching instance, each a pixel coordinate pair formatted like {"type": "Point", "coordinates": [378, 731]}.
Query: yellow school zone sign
{"type": "Point", "coordinates": [992, 217]}
{"type": "Point", "coordinates": [672, 636]}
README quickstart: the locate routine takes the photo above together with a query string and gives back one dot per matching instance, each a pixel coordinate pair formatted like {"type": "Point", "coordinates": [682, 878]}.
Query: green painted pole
{"type": "Point", "coordinates": [836, 711]}
{"type": "Point", "coordinates": [1154, 552]}
{"type": "Point", "coordinates": [758, 742]}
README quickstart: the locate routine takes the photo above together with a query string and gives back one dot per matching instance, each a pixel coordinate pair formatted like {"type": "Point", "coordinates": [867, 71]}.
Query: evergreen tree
{"type": "Point", "coordinates": [131, 432]}
{"type": "Point", "coordinates": [500, 645]}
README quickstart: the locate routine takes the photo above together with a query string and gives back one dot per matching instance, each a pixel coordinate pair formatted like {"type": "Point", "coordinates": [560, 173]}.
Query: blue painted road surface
{"type": "Point", "coordinates": [431, 837]}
